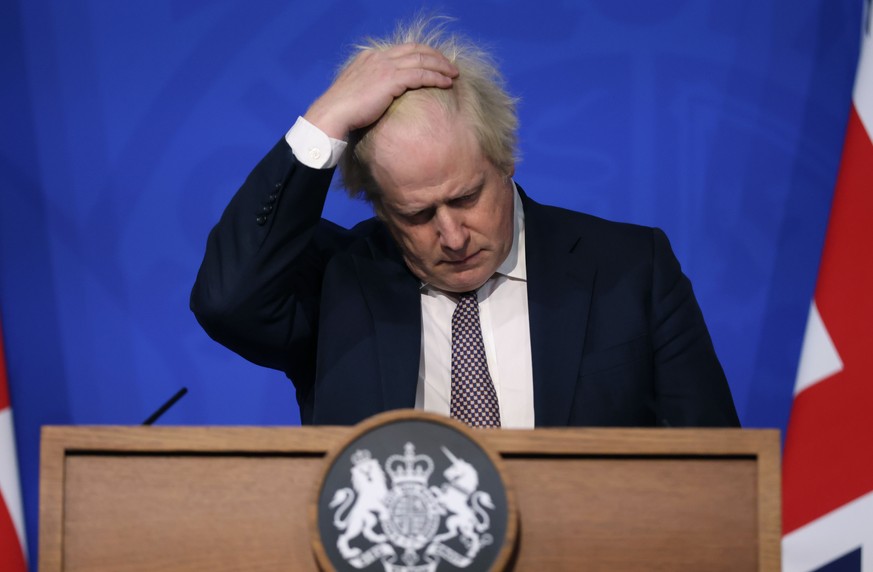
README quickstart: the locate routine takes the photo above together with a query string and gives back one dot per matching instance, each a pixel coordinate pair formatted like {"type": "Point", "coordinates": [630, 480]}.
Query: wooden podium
{"type": "Point", "coordinates": [126, 499]}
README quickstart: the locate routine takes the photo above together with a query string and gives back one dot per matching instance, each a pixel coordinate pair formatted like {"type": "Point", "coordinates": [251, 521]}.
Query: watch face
{"type": "Point", "coordinates": [413, 494]}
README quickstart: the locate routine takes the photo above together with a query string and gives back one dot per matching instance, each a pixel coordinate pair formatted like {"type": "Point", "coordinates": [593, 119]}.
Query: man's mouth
{"type": "Point", "coordinates": [463, 261]}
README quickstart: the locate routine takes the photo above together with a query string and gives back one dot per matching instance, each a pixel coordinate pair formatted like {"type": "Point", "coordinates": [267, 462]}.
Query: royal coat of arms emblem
{"type": "Point", "coordinates": [404, 510]}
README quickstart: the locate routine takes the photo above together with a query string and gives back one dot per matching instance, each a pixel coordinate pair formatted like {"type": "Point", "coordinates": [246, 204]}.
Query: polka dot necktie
{"type": "Point", "coordinates": [474, 400]}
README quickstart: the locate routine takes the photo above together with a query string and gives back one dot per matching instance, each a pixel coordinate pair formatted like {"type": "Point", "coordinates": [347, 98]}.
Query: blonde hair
{"type": "Point", "coordinates": [478, 94]}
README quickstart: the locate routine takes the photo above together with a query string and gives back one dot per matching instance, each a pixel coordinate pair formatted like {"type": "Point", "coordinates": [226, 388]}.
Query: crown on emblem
{"type": "Point", "coordinates": [409, 467]}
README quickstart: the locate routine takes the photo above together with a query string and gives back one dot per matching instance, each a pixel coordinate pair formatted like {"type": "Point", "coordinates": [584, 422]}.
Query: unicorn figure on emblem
{"type": "Point", "coordinates": [459, 497]}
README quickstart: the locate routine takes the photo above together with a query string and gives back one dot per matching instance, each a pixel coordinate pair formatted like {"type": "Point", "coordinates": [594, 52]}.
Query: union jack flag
{"type": "Point", "coordinates": [827, 471]}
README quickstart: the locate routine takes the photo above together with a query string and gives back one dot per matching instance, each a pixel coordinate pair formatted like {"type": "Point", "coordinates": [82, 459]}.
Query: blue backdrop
{"type": "Point", "coordinates": [128, 125]}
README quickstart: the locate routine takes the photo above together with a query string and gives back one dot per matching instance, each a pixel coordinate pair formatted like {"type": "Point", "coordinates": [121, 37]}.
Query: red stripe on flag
{"type": "Point", "coordinates": [11, 556]}
{"type": "Point", "coordinates": [844, 293]}
{"type": "Point", "coordinates": [4, 390]}
{"type": "Point", "coordinates": [828, 460]}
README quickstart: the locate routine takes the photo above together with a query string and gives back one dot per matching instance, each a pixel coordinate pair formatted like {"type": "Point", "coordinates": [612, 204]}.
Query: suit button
{"type": "Point", "coordinates": [267, 209]}
{"type": "Point", "coordinates": [277, 186]}
{"type": "Point", "coordinates": [261, 220]}
{"type": "Point", "coordinates": [272, 198]}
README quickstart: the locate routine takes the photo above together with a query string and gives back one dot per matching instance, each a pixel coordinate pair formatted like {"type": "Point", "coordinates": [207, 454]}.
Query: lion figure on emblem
{"type": "Point", "coordinates": [458, 495]}
{"type": "Point", "coordinates": [370, 488]}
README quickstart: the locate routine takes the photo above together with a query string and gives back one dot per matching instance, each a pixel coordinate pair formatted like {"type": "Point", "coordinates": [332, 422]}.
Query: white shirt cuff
{"type": "Point", "coordinates": [313, 147]}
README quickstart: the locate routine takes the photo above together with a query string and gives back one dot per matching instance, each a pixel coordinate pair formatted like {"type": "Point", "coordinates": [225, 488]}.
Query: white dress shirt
{"type": "Point", "coordinates": [503, 315]}
{"type": "Point", "coordinates": [503, 311]}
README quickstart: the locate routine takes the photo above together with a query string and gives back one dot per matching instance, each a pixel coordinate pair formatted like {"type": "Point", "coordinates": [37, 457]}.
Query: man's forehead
{"type": "Point", "coordinates": [416, 199]}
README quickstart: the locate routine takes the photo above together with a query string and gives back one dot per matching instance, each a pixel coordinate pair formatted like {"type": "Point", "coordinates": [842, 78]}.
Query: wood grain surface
{"type": "Point", "coordinates": [127, 499]}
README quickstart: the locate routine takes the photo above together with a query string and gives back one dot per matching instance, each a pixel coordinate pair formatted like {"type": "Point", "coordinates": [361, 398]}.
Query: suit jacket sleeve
{"type": "Point", "coordinates": [258, 287]}
{"type": "Point", "coordinates": [690, 384]}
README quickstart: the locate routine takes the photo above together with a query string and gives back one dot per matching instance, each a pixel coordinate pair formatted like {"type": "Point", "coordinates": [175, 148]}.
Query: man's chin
{"type": "Point", "coordinates": [462, 283]}
{"type": "Point", "coordinates": [454, 280]}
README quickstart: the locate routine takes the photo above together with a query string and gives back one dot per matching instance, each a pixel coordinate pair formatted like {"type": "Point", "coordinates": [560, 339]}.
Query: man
{"type": "Point", "coordinates": [463, 296]}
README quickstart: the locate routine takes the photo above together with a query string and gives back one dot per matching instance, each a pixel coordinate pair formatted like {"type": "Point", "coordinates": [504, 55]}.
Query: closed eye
{"type": "Point", "coordinates": [467, 200]}
{"type": "Point", "coordinates": [419, 217]}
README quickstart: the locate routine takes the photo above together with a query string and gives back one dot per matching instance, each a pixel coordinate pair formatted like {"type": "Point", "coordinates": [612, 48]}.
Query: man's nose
{"type": "Point", "coordinates": [453, 234]}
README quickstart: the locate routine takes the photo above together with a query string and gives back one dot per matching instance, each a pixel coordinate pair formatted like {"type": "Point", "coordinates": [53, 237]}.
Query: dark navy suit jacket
{"type": "Point", "coordinates": [617, 337]}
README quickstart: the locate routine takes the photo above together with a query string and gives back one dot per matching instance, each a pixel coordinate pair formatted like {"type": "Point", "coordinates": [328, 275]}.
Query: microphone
{"type": "Point", "coordinates": [163, 408]}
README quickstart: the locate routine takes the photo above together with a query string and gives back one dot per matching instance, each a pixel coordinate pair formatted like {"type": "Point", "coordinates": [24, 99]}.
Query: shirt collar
{"type": "Point", "coordinates": [515, 264]}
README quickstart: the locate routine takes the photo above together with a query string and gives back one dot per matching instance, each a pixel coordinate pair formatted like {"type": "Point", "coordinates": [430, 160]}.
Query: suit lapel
{"type": "Point", "coordinates": [560, 284]}
{"type": "Point", "coordinates": [392, 295]}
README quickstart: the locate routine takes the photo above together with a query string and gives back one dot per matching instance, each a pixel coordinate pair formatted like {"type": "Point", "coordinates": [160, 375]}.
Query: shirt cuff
{"type": "Point", "coordinates": [313, 147]}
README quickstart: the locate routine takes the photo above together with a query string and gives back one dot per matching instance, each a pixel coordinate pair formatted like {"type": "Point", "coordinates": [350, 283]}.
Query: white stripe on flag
{"type": "Point", "coordinates": [825, 539]}
{"type": "Point", "coordinates": [863, 94]}
{"type": "Point", "coordinates": [819, 358]}
{"type": "Point", "coordinates": [9, 475]}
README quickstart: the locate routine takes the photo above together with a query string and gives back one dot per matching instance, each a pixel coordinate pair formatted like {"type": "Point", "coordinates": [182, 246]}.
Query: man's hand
{"type": "Point", "coordinates": [371, 82]}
